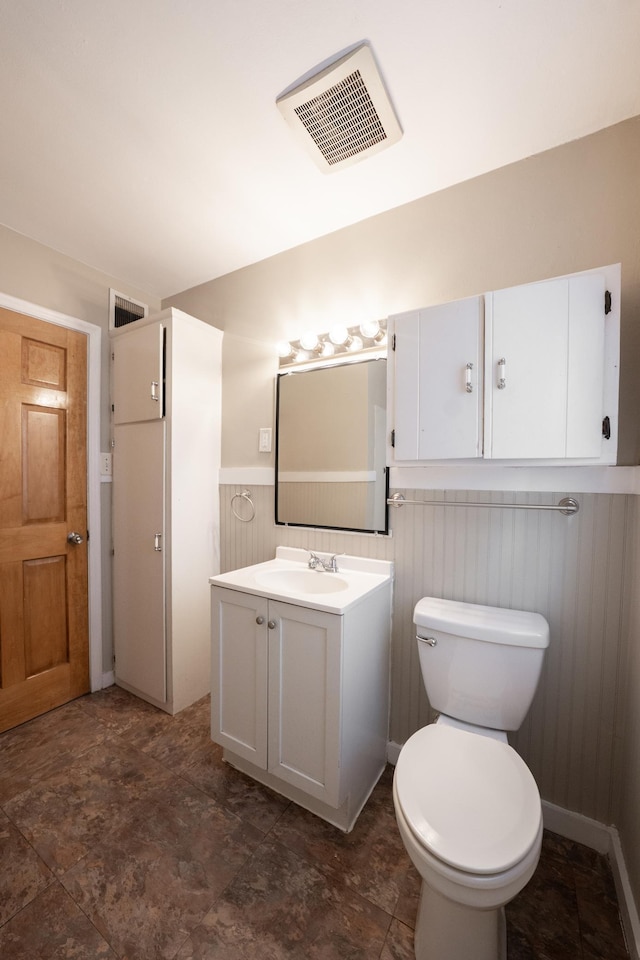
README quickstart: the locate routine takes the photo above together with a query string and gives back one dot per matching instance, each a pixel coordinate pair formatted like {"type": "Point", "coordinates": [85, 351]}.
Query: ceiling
{"type": "Point", "coordinates": [142, 138]}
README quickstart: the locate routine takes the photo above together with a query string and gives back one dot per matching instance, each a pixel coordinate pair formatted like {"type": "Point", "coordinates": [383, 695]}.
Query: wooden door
{"type": "Point", "coordinates": [44, 642]}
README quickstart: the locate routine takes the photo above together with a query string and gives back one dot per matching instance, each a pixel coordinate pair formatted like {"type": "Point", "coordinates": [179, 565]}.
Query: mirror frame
{"type": "Point", "coordinates": [315, 526]}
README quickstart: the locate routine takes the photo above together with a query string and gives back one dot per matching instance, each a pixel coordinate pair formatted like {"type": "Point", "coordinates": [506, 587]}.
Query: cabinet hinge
{"type": "Point", "coordinates": [606, 428]}
{"type": "Point", "coordinates": [607, 302]}
{"type": "Point", "coordinates": [393, 342]}
{"type": "Point", "coordinates": [393, 438]}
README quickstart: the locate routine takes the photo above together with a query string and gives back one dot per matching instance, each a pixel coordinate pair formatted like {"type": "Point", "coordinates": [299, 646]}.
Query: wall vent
{"type": "Point", "coordinates": [124, 310]}
{"type": "Point", "coordinates": [342, 114]}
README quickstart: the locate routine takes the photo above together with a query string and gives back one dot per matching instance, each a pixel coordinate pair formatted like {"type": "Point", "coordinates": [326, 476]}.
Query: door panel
{"type": "Point", "coordinates": [44, 642]}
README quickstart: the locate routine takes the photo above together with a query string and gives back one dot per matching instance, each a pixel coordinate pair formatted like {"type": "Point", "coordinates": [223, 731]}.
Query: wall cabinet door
{"type": "Point", "coordinates": [239, 679]}
{"type": "Point", "coordinates": [138, 358]}
{"type": "Point", "coordinates": [304, 699]}
{"type": "Point", "coordinates": [525, 373]}
{"type": "Point", "coordinates": [276, 677]}
{"type": "Point", "coordinates": [438, 382]}
{"type": "Point", "coordinates": [544, 375]}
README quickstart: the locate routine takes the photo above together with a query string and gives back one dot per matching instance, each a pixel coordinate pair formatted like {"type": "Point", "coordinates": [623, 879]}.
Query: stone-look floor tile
{"type": "Point", "coordinates": [406, 908]}
{"type": "Point", "coordinates": [371, 859]}
{"type": "Point", "coordinates": [118, 710]}
{"type": "Point", "coordinates": [600, 924]}
{"type": "Point", "coordinates": [240, 794]}
{"type": "Point", "coordinates": [23, 875]}
{"type": "Point", "coordinates": [399, 943]}
{"type": "Point", "coordinates": [150, 882]}
{"type": "Point", "coordinates": [175, 740]}
{"type": "Point", "coordinates": [43, 746]}
{"type": "Point", "coordinates": [69, 812]}
{"type": "Point", "coordinates": [545, 913]}
{"type": "Point", "coordinates": [280, 906]}
{"type": "Point", "coordinates": [52, 927]}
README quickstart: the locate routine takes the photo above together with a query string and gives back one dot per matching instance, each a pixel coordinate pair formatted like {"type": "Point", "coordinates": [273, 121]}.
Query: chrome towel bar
{"type": "Point", "coordinates": [567, 506]}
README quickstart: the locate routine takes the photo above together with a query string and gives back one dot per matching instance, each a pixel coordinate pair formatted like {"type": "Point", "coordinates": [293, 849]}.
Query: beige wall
{"type": "Point", "coordinates": [570, 209]}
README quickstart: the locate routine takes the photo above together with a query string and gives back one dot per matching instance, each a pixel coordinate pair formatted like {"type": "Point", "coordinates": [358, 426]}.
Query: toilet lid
{"type": "Point", "coordinates": [471, 800]}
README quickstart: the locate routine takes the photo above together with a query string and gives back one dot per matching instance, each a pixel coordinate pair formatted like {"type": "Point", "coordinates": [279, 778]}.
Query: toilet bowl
{"type": "Point", "coordinates": [469, 814]}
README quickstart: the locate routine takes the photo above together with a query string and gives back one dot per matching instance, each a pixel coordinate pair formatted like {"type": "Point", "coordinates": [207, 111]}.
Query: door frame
{"type": "Point", "coordinates": [94, 509]}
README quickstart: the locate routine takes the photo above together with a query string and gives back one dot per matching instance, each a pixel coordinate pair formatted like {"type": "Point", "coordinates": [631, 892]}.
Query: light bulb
{"type": "Point", "coordinates": [370, 329]}
{"type": "Point", "coordinates": [327, 349]}
{"type": "Point", "coordinates": [355, 344]}
{"type": "Point", "coordinates": [309, 340]}
{"type": "Point", "coordinates": [284, 349]}
{"type": "Point", "coordinates": [339, 335]}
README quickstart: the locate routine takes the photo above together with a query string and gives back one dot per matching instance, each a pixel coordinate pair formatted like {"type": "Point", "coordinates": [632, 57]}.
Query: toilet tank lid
{"type": "Point", "coordinates": [518, 628]}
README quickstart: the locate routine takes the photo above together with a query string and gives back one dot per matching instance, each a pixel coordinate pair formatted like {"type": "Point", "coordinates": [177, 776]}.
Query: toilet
{"type": "Point", "coordinates": [467, 806]}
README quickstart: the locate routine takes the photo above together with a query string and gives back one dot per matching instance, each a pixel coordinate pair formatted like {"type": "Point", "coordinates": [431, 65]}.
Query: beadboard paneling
{"type": "Point", "coordinates": [570, 569]}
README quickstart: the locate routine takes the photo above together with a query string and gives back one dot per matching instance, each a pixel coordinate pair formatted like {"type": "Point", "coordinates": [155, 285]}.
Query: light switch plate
{"type": "Point", "coordinates": [264, 445]}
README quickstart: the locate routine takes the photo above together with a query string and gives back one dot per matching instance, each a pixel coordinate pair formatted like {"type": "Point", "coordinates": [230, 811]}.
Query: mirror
{"type": "Point", "coordinates": [330, 447]}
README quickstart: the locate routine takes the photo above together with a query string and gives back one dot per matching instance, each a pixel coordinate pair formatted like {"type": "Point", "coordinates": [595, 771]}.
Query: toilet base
{"type": "Point", "coordinates": [450, 931]}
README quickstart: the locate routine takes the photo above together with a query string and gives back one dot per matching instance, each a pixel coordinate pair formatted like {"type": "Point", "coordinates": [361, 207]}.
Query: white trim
{"type": "Point", "coordinates": [327, 476]}
{"type": "Point", "coordinates": [258, 476]}
{"type": "Point", "coordinates": [94, 547]}
{"type": "Point", "coordinates": [484, 476]}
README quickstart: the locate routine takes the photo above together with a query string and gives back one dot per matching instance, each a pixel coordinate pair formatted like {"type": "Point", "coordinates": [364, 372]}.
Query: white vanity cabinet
{"type": "Point", "coordinates": [529, 372]}
{"type": "Point", "coordinates": [300, 696]}
{"type": "Point", "coordinates": [166, 457]}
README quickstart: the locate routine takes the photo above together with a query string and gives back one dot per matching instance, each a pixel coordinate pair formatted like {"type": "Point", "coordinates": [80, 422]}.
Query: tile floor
{"type": "Point", "coordinates": [122, 834]}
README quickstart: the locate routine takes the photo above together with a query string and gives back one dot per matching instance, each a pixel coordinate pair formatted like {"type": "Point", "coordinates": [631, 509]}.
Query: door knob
{"type": "Point", "coordinates": [75, 537]}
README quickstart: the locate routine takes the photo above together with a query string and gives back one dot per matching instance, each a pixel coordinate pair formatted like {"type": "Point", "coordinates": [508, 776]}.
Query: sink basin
{"type": "Point", "coordinates": [302, 581]}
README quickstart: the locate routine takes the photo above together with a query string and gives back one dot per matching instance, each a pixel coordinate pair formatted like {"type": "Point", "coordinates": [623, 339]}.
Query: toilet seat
{"type": "Point", "coordinates": [470, 800]}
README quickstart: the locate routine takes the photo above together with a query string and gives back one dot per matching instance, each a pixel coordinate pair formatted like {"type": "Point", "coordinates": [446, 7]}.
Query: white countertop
{"type": "Point", "coordinates": [288, 578]}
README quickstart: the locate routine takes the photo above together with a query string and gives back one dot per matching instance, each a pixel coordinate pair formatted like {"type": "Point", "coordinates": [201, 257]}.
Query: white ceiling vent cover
{"type": "Point", "coordinates": [342, 114]}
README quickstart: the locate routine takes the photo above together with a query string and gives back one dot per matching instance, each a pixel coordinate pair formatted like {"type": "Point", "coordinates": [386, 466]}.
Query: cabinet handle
{"type": "Point", "coordinates": [154, 390]}
{"type": "Point", "coordinates": [259, 621]}
{"type": "Point", "coordinates": [157, 542]}
{"type": "Point", "coordinates": [467, 378]}
{"type": "Point", "coordinates": [272, 624]}
{"type": "Point", "coordinates": [502, 369]}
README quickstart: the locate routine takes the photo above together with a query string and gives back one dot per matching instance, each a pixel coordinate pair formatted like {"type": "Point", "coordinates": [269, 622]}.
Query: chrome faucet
{"type": "Point", "coordinates": [317, 563]}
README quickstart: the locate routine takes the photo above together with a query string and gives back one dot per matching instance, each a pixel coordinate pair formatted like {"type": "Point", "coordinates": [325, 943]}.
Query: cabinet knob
{"type": "Point", "coordinates": [272, 624]}
{"type": "Point", "coordinates": [259, 621]}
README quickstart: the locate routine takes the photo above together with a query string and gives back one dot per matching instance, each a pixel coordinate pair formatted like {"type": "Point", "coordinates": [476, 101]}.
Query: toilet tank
{"type": "Point", "coordinates": [485, 663]}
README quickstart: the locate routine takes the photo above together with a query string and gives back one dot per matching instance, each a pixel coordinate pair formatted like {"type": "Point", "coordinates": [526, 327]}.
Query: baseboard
{"type": "Point", "coordinates": [595, 835]}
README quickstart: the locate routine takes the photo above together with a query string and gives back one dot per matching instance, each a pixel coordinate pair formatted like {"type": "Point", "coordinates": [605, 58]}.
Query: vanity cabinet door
{"type": "Point", "coordinates": [304, 699]}
{"type": "Point", "coordinates": [239, 673]}
{"type": "Point", "coordinates": [438, 361]}
{"type": "Point", "coordinates": [137, 370]}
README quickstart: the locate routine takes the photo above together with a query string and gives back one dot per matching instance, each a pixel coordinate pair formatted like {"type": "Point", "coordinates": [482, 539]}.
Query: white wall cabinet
{"type": "Point", "coordinates": [526, 373]}
{"type": "Point", "coordinates": [300, 696]}
{"type": "Point", "coordinates": [166, 458]}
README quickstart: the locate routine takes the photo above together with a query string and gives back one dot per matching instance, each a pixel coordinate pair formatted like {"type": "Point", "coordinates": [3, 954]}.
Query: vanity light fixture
{"type": "Point", "coordinates": [367, 337]}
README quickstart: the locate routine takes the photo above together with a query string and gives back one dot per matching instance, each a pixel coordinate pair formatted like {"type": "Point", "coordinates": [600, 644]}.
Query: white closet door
{"type": "Point", "coordinates": [138, 374]}
{"type": "Point", "coordinates": [139, 545]}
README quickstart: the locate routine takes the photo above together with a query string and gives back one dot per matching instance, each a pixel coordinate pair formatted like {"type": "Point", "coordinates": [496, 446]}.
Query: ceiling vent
{"type": "Point", "coordinates": [342, 114]}
{"type": "Point", "coordinates": [124, 310]}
